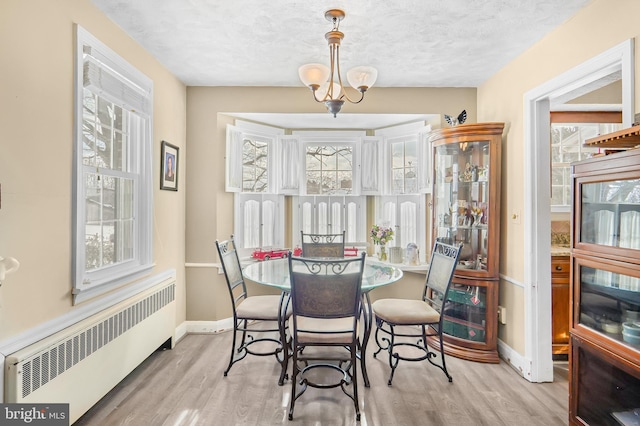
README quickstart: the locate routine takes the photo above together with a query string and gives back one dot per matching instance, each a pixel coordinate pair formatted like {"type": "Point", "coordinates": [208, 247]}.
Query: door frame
{"type": "Point", "coordinates": [537, 218]}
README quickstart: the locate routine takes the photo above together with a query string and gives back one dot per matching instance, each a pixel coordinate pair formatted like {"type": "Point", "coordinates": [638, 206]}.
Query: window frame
{"type": "Point", "coordinates": [137, 98]}
{"type": "Point", "coordinates": [332, 141]}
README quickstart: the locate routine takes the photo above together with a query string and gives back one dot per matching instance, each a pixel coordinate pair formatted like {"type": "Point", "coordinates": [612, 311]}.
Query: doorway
{"type": "Point", "coordinates": [617, 61]}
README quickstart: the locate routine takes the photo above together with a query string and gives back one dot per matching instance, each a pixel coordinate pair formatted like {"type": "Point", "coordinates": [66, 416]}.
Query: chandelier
{"type": "Point", "coordinates": [326, 83]}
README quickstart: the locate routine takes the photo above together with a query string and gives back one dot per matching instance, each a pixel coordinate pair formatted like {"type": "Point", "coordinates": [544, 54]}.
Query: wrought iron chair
{"type": "Point", "coordinates": [425, 313]}
{"type": "Point", "coordinates": [322, 245]}
{"type": "Point", "coordinates": [269, 309]}
{"type": "Point", "coordinates": [326, 301]}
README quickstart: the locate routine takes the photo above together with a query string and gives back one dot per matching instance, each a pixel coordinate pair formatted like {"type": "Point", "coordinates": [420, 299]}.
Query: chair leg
{"type": "Point", "coordinates": [355, 382]}
{"type": "Point", "coordinates": [431, 354]}
{"type": "Point", "coordinates": [380, 340]}
{"type": "Point", "coordinates": [233, 347]}
{"type": "Point", "coordinates": [286, 354]}
{"type": "Point", "coordinates": [393, 357]}
{"type": "Point", "coordinates": [294, 379]}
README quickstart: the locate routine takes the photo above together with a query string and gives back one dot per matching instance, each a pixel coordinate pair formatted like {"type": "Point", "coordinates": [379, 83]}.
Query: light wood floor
{"type": "Point", "coordinates": [185, 386]}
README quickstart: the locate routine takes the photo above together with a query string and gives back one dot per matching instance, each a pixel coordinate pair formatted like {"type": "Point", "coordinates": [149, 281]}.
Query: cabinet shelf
{"type": "Point", "coordinates": [623, 139]}
{"type": "Point", "coordinates": [626, 296]}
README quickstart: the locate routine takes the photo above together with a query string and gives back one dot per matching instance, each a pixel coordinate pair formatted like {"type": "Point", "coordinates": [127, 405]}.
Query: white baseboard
{"type": "Point", "coordinates": [208, 327]}
{"type": "Point", "coordinates": [518, 362]}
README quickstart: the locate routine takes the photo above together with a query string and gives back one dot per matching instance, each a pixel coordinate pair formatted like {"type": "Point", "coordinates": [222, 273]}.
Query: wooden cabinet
{"type": "Point", "coordinates": [560, 294]}
{"type": "Point", "coordinates": [466, 209]}
{"type": "Point", "coordinates": [604, 385]}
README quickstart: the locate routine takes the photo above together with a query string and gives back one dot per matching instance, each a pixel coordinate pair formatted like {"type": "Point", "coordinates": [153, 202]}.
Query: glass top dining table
{"type": "Point", "coordinates": [275, 273]}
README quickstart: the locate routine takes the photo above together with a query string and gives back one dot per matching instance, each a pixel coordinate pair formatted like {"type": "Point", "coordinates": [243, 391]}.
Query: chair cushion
{"type": "Point", "coordinates": [260, 308]}
{"type": "Point", "coordinates": [324, 325]}
{"type": "Point", "coordinates": [405, 311]}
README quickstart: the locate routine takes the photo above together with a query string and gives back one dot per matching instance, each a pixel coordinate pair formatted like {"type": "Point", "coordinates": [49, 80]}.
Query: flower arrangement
{"type": "Point", "coordinates": [381, 235]}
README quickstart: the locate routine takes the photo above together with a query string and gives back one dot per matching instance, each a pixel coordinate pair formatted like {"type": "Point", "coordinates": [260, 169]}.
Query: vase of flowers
{"type": "Point", "coordinates": [381, 236]}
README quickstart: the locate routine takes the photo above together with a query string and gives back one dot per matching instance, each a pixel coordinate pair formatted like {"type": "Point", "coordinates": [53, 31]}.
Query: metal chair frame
{"type": "Point", "coordinates": [322, 245]}
{"type": "Point", "coordinates": [325, 289]}
{"type": "Point", "coordinates": [238, 293]}
{"type": "Point", "coordinates": [437, 284]}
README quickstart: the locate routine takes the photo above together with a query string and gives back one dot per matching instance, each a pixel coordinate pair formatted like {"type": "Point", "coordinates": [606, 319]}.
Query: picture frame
{"type": "Point", "coordinates": [169, 162]}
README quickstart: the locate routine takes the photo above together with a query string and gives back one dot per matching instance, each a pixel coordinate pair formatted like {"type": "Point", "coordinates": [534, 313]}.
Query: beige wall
{"type": "Point", "coordinates": [599, 26]}
{"type": "Point", "coordinates": [210, 209]}
{"type": "Point", "coordinates": [37, 44]}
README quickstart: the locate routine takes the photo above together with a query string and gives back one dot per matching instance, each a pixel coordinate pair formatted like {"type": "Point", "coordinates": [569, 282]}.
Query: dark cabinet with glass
{"type": "Point", "coordinates": [604, 385]}
{"type": "Point", "coordinates": [466, 209]}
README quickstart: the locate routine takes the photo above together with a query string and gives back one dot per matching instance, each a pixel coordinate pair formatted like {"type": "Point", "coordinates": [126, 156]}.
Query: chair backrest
{"type": "Point", "coordinates": [444, 259]}
{"type": "Point", "coordinates": [232, 271]}
{"type": "Point", "coordinates": [326, 288]}
{"type": "Point", "coordinates": [322, 245]}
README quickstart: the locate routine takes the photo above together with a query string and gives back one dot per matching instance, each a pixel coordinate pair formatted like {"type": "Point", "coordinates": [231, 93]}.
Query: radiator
{"type": "Point", "coordinates": [82, 363]}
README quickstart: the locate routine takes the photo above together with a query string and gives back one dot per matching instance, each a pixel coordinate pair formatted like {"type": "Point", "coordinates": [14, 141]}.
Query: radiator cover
{"type": "Point", "coordinates": [81, 364]}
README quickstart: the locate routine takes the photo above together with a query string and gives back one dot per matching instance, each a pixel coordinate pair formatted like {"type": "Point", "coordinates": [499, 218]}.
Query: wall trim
{"type": "Point", "coordinates": [202, 265]}
{"type": "Point", "coordinates": [512, 281]}
{"type": "Point", "coordinates": [209, 327]}
{"type": "Point", "coordinates": [519, 363]}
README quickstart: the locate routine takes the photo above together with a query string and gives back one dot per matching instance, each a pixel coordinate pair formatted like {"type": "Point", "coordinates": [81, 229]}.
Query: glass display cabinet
{"type": "Point", "coordinates": [466, 210]}
{"type": "Point", "coordinates": [604, 386]}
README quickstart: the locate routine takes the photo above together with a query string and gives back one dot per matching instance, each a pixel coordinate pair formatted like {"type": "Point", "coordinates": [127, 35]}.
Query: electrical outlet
{"type": "Point", "coordinates": [502, 315]}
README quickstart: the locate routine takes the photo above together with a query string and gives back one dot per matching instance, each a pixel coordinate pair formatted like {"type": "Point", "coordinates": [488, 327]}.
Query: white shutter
{"type": "Point", "coordinates": [405, 214]}
{"type": "Point", "coordinates": [425, 168]}
{"type": "Point", "coordinates": [259, 220]}
{"type": "Point", "coordinates": [233, 173]}
{"type": "Point", "coordinates": [287, 165]}
{"type": "Point", "coordinates": [370, 165]}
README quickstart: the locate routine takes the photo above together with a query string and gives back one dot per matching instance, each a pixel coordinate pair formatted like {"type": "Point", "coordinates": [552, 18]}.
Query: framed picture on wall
{"type": "Point", "coordinates": [169, 167]}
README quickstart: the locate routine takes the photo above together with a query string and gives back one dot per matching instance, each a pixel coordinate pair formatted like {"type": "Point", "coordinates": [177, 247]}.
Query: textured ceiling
{"type": "Point", "coordinates": [412, 43]}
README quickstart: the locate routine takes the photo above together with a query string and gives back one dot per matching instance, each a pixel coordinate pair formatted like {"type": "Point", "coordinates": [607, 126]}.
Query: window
{"type": "Point", "coordinates": [113, 170]}
{"type": "Point", "coordinates": [329, 169]}
{"type": "Point", "coordinates": [404, 165]}
{"type": "Point", "coordinates": [255, 155]}
{"type": "Point", "coordinates": [249, 157]}
{"type": "Point", "coordinates": [567, 139]}
{"type": "Point", "coordinates": [329, 173]}
{"type": "Point", "coordinates": [252, 175]}
{"type": "Point", "coordinates": [406, 159]}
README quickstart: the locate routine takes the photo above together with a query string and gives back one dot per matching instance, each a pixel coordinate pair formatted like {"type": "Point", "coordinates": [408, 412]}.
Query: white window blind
{"type": "Point", "coordinates": [101, 79]}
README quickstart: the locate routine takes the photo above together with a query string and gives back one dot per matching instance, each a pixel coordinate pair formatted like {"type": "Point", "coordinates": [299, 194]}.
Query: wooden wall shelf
{"type": "Point", "coordinates": [627, 138]}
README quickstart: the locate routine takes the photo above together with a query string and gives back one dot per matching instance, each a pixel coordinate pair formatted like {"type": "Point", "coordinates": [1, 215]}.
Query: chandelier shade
{"type": "Point", "coordinates": [313, 74]}
{"type": "Point", "coordinates": [326, 82]}
{"type": "Point", "coordinates": [362, 76]}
